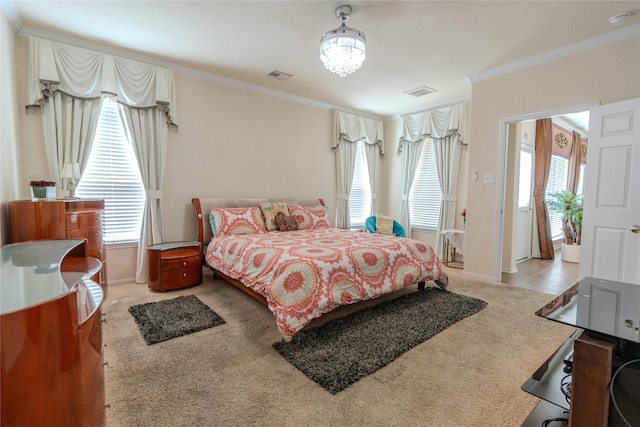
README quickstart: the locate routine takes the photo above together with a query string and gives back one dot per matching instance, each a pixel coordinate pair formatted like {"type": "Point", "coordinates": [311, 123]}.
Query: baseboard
{"type": "Point", "coordinates": [477, 276]}
{"type": "Point", "coordinates": [125, 281]}
{"type": "Point", "coordinates": [510, 270]}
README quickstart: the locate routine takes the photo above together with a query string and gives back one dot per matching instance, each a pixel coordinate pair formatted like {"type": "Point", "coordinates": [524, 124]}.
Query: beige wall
{"type": "Point", "coordinates": [230, 143]}
{"type": "Point", "coordinates": [605, 74]}
{"type": "Point", "coordinates": [9, 130]}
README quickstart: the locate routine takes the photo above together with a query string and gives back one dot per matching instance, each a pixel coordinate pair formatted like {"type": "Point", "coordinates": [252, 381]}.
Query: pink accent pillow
{"type": "Point", "coordinates": [310, 218]}
{"type": "Point", "coordinates": [226, 221]}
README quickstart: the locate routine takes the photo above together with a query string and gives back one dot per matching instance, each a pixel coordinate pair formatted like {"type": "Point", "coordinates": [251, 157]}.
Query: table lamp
{"type": "Point", "coordinates": [71, 171]}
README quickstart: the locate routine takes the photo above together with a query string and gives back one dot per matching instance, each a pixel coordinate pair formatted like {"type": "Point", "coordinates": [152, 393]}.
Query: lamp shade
{"type": "Point", "coordinates": [70, 170]}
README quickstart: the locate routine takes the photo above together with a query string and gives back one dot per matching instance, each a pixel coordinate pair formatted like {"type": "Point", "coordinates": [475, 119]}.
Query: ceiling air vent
{"type": "Point", "coordinates": [279, 75]}
{"type": "Point", "coordinates": [420, 91]}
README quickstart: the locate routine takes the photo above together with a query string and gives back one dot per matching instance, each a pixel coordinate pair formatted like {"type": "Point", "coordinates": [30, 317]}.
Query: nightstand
{"type": "Point", "coordinates": [174, 265]}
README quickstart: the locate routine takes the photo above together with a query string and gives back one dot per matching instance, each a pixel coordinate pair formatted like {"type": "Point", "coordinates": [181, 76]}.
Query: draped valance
{"type": "Point", "coordinates": [435, 124]}
{"type": "Point", "coordinates": [86, 74]}
{"type": "Point", "coordinates": [352, 128]}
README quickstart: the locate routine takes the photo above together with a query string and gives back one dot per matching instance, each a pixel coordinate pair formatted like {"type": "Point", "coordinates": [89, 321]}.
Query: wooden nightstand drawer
{"type": "Point", "coordinates": [185, 263]}
{"type": "Point", "coordinates": [181, 278]}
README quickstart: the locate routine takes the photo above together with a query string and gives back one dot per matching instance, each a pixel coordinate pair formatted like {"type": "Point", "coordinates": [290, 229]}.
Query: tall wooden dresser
{"type": "Point", "coordinates": [61, 219]}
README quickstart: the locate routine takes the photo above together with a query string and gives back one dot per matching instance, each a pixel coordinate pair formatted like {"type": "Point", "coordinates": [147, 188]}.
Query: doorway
{"type": "Point", "coordinates": [518, 261]}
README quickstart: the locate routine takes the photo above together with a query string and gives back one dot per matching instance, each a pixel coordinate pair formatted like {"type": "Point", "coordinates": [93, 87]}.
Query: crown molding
{"type": "Point", "coordinates": [11, 13]}
{"type": "Point", "coordinates": [562, 52]}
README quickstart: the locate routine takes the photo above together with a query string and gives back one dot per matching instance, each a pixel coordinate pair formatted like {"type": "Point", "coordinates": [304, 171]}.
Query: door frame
{"type": "Point", "coordinates": [502, 170]}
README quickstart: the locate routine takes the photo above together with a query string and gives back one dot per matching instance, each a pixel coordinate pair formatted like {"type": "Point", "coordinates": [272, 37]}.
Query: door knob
{"type": "Point", "coordinates": [635, 228]}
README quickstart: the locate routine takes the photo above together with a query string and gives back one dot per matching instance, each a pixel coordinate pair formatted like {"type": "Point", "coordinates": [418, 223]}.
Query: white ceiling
{"type": "Point", "coordinates": [440, 44]}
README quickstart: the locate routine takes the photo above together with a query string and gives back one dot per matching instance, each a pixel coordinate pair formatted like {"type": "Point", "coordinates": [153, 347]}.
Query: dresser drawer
{"type": "Point", "coordinates": [93, 236]}
{"type": "Point", "coordinates": [180, 279]}
{"type": "Point", "coordinates": [181, 263]}
{"type": "Point", "coordinates": [83, 220]}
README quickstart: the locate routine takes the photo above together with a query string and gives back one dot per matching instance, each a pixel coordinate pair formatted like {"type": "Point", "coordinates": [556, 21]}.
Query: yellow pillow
{"type": "Point", "coordinates": [384, 224]}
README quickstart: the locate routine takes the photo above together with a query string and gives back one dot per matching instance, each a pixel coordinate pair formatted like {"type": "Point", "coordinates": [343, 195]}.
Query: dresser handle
{"type": "Point", "coordinates": [184, 274]}
{"type": "Point", "coordinates": [184, 263]}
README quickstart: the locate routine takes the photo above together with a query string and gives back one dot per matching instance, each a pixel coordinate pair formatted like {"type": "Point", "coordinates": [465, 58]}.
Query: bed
{"type": "Point", "coordinates": [284, 253]}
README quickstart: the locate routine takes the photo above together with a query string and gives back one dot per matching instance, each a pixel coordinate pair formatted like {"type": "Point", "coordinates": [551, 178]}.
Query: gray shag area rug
{"type": "Point", "coordinates": [342, 351]}
{"type": "Point", "coordinates": [162, 320]}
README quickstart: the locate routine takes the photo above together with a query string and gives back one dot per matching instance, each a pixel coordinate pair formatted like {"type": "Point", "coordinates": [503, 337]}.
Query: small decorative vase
{"type": "Point", "coordinates": [41, 192]}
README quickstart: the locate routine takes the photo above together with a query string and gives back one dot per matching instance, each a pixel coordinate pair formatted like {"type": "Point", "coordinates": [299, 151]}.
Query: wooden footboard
{"type": "Point", "coordinates": [239, 285]}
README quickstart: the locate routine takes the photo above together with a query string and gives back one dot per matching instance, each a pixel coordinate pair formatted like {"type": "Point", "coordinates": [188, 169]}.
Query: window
{"type": "Point", "coordinates": [425, 196]}
{"type": "Point", "coordinates": [112, 174]}
{"type": "Point", "coordinates": [557, 181]}
{"type": "Point", "coordinates": [525, 182]}
{"type": "Point", "coordinates": [360, 195]}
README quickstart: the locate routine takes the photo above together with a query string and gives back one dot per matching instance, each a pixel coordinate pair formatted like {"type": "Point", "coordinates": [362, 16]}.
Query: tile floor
{"type": "Point", "coordinates": [546, 276]}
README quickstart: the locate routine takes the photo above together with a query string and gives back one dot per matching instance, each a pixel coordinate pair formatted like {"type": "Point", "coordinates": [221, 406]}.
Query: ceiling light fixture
{"type": "Point", "coordinates": [342, 50]}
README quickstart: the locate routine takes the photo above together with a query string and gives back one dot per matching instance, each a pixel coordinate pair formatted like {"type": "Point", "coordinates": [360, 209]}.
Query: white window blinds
{"type": "Point", "coordinates": [112, 174]}
{"type": "Point", "coordinates": [360, 195]}
{"type": "Point", "coordinates": [425, 197]}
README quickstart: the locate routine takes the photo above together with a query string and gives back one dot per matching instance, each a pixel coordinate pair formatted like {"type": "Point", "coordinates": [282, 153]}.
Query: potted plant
{"type": "Point", "coordinates": [570, 206]}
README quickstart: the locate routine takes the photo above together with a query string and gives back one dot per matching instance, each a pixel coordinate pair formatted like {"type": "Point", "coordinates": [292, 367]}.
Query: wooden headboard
{"type": "Point", "coordinates": [201, 208]}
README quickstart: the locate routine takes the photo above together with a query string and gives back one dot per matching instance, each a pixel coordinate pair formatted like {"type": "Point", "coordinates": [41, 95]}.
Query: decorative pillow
{"type": "Point", "coordinates": [384, 224]}
{"type": "Point", "coordinates": [286, 223]}
{"type": "Point", "coordinates": [226, 221]}
{"type": "Point", "coordinates": [310, 218]}
{"type": "Point", "coordinates": [270, 210]}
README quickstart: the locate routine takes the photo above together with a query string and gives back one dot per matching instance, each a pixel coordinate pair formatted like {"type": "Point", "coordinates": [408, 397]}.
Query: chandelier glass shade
{"type": "Point", "coordinates": [343, 50]}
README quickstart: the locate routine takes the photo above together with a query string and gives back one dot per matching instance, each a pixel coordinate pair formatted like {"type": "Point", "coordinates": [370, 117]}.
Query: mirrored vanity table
{"type": "Point", "coordinates": [51, 335]}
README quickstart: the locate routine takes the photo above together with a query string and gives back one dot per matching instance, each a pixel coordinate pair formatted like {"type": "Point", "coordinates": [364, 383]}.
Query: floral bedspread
{"type": "Point", "coordinates": [303, 274]}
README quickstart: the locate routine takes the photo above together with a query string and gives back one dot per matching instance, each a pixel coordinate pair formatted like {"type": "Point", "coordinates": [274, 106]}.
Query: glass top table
{"type": "Point", "coordinates": [599, 305]}
{"type": "Point", "coordinates": [596, 305]}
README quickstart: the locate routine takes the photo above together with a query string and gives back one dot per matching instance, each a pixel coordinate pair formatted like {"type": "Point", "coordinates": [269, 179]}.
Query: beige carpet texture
{"type": "Point", "coordinates": [229, 375]}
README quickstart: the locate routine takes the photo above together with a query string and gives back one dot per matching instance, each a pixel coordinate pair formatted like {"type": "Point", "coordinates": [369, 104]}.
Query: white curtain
{"type": "Point", "coordinates": [69, 126]}
{"type": "Point", "coordinates": [447, 156]}
{"type": "Point", "coordinates": [410, 151]}
{"type": "Point", "coordinates": [349, 129]}
{"type": "Point", "coordinates": [147, 133]}
{"type": "Point", "coordinates": [345, 165]}
{"type": "Point", "coordinates": [446, 126]}
{"type": "Point", "coordinates": [67, 83]}
{"type": "Point", "coordinates": [372, 154]}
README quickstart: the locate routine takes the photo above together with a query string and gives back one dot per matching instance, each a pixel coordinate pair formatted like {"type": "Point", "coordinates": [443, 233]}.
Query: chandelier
{"type": "Point", "coordinates": [342, 50]}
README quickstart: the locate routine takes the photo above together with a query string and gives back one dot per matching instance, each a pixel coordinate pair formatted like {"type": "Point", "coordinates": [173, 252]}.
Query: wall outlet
{"type": "Point", "coordinates": [489, 178]}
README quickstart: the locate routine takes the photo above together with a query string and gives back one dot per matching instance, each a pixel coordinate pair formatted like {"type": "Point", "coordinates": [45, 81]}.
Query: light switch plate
{"type": "Point", "coordinates": [489, 178]}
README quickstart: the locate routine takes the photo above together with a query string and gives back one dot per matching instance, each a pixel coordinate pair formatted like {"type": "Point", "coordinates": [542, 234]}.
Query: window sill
{"type": "Point", "coordinates": [121, 245]}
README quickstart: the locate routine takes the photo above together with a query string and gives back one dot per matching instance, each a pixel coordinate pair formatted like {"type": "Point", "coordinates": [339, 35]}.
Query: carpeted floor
{"type": "Point", "coordinates": [468, 375]}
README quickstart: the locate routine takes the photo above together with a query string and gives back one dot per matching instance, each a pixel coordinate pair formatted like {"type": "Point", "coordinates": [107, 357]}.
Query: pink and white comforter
{"type": "Point", "coordinates": [305, 273]}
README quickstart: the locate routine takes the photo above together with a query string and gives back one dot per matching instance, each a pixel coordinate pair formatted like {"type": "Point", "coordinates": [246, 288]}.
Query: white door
{"type": "Point", "coordinates": [610, 237]}
{"type": "Point", "coordinates": [525, 209]}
